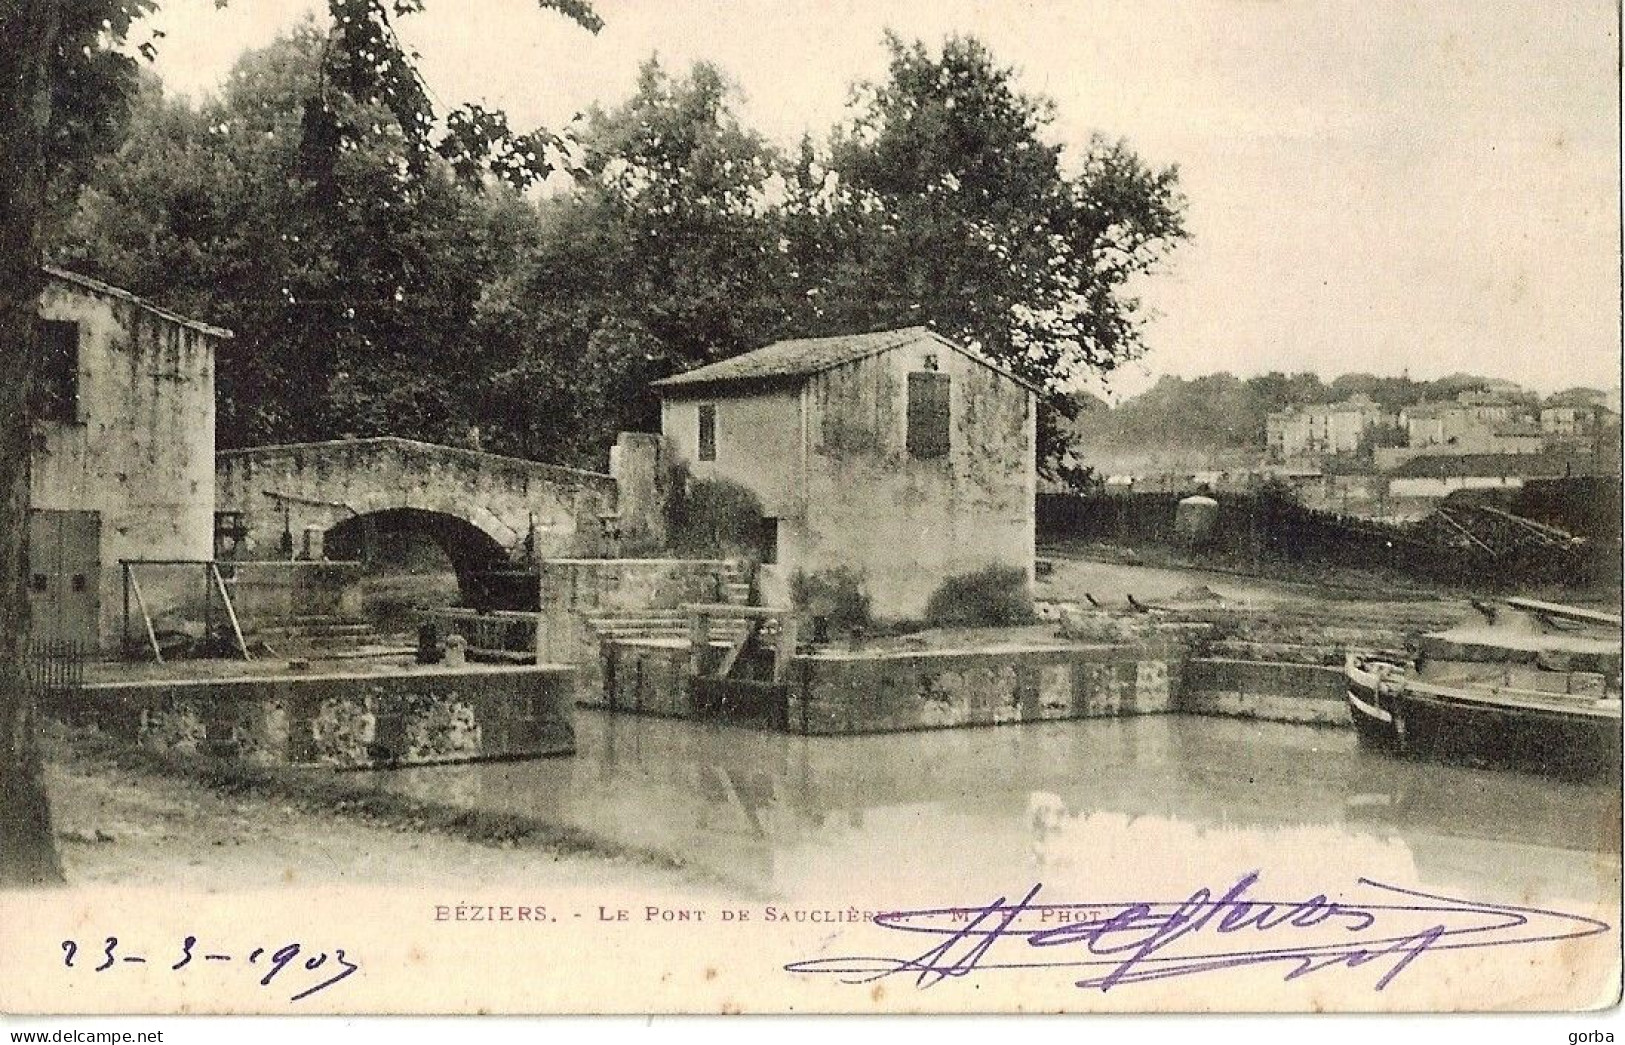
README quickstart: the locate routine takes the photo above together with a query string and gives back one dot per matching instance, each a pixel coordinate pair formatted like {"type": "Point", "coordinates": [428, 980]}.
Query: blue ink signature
{"type": "Point", "coordinates": [274, 962]}
{"type": "Point", "coordinates": [1114, 943]}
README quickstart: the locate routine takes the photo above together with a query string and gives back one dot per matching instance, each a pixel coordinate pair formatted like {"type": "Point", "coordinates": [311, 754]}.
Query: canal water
{"type": "Point", "coordinates": [1084, 804]}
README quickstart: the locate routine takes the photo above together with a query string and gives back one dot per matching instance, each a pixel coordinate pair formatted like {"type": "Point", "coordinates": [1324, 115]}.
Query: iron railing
{"type": "Point", "coordinates": [55, 667]}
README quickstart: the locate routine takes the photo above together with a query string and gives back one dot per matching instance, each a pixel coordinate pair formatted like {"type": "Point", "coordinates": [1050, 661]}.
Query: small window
{"type": "Point", "coordinates": [708, 432]}
{"type": "Point", "coordinates": [928, 414]}
{"type": "Point", "coordinates": [57, 382]}
{"type": "Point", "coordinates": [38, 582]}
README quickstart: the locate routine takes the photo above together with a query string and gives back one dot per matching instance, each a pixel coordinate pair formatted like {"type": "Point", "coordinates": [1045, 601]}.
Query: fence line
{"type": "Point", "coordinates": [54, 667]}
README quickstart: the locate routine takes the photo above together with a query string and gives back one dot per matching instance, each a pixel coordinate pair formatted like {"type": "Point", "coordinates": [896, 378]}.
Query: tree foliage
{"type": "Point", "coordinates": [66, 81]}
{"type": "Point", "coordinates": [378, 286]}
{"type": "Point", "coordinates": [665, 254]}
{"type": "Point", "coordinates": [968, 217]}
{"type": "Point", "coordinates": [354, 289]}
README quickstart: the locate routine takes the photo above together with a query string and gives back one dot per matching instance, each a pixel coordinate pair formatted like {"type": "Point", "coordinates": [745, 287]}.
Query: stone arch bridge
{"type": "Point", "coordinates": [486, 511]}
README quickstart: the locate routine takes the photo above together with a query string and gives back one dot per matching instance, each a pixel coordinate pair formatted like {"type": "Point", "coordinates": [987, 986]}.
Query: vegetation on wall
{"type": "Point", "coordinates": [712, 518]}
{"type": "Point", "coordinates": [837, 594]}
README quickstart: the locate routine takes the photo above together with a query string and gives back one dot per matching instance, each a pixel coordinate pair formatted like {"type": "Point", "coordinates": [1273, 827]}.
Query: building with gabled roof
{"type": "Point", "coordinates": [122, 462]}
{"type": "Point", "coordinates": [898, 454]}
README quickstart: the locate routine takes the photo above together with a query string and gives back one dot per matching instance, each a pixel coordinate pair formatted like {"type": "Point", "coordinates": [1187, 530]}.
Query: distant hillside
{"type": "Point", "coordinates": [1217, 420]}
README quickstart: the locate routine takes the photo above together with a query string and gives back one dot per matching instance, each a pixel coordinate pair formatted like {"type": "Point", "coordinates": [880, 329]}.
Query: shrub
{"type": "Point", "coordinates": [992, 597]}
{"type": "Point", "coordinates": [714, 518]}
{"type": "Point", "coordinates": [836, 594]}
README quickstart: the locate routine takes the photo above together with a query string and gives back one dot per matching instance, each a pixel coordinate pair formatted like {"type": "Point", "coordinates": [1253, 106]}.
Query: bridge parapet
{"type": "Point", "coordinates": [525, 507]}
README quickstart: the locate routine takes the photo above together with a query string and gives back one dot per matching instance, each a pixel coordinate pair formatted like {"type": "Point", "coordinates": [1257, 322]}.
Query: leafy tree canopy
{"type": "Point", "coordinates": [384, 279]}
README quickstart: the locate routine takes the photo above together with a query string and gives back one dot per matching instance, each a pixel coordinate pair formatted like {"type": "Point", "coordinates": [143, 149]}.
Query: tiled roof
{"type": "Point", "coordinates": [96, 286]}
{"type": "Point", "coordinates": [803, 357]}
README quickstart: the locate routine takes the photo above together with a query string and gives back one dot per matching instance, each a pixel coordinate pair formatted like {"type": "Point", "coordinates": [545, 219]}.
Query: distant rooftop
{"type": "Point", "coordinates": [803, 357]}
{"type": "Point", "coordinates": [1441, 466]}
{"type": "Point", "coordinates": [1358, 402]}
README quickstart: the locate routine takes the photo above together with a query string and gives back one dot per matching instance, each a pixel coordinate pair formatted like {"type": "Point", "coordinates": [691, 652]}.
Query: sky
{"type": "Point", "coordinates": [1383, 185]}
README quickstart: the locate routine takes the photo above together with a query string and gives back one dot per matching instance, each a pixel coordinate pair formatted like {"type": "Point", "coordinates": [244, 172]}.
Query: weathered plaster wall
{"type": "Point", "coordinates": [414, 717]}
{"type": "Point", "coordinates": [759, 440]}
{"type": "Point", "coordinates": [141, 452]}
{"type": "Point", "coordinates": [830, 460]}
{"type": "Point", "coordinates": [907, 524]}
{"type": "Point", "coordinates": [334, 481]}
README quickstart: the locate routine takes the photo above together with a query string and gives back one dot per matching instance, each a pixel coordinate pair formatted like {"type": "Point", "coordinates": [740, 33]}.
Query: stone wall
{"type": "Point", "coordinates": [270, 593]}
{"type": "Point", "coordinates": [859, 693]}
{"type": "Point", "coordinates": [832, 693]}
{"type": "Point", "coordinates": [574, 592]}
{"type": "Point", "coordinates": [1276, 692]}
{"type": "Point", "coordinates": [411, 717]}
{"type": "Point", "coordinates": [638, 464]}
{"type": "Point", "coordinates": [874, 693]}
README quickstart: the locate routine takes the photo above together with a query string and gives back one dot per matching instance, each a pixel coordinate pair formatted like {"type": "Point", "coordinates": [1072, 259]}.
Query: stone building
{"type": "Point", "coordinates": [897, 454]}
{"type": "Point", "coordinates": [1321, 428]}
{"type": "Point", "coordinates": [1469, 423]}
{"type": "Point", "coordinates": [123, 453]}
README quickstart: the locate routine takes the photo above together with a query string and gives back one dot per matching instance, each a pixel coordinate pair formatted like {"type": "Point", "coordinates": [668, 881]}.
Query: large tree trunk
{"type": "Point", "coordinates": [27, 37]}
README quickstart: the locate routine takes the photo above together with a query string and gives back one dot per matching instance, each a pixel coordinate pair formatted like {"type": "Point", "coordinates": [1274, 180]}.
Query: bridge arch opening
{"type": "Point", "coordinates": [416, 559]}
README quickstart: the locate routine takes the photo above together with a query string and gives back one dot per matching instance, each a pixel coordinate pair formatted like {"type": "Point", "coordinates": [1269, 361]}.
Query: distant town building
{"type": "Point", "coordinates": [1469, 424]}
{"type": "Point", "coordinates": [1571, 419]}
{"type": "Point", "coordinates": [897, 454]}
{"type": "Point", "coordinates": [123, 457]}
{"type": "Point", "coordinates": [1321, 428]}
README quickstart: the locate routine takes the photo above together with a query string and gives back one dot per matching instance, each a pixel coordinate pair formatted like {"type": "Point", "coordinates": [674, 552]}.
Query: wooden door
{"type": "Point", "coordinates": [64, 576]}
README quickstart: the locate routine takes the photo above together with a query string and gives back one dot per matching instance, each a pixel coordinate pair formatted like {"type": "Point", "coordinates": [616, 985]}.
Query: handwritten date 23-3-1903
{"type": "Point", "coordinates": [309, 971]}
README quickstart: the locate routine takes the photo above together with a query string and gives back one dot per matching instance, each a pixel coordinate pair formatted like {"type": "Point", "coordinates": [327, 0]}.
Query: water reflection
{"type": "Point", "coordinates": [1080, 803]}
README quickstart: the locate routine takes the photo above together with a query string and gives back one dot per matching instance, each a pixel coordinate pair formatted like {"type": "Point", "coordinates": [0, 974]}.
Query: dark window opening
{"type": "Point", "coordinates": [56, 387]}
{"type": "Point", "coordinates": [928, 414]}
{"type": "Point", "coordinates": [708, 432]}
{"type": "Point", "coordinates": [768, 541]}
{"type": "Point", "coordinates": [38, 582]}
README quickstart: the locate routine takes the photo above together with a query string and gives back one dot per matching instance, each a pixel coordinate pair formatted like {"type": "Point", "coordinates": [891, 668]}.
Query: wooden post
{"type": "Point", "coordinates": [124, 626]}
{"type": "Point", "coordinates": [141, 603]}
{"type": "Point", "coordinates": [231, 611]}
{"type": "Point", "coordinates": [786, 650]}
{"type": "Point", "coordinates": [699, 639]}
